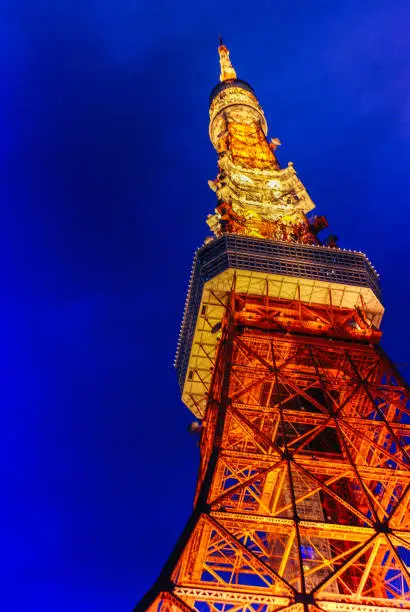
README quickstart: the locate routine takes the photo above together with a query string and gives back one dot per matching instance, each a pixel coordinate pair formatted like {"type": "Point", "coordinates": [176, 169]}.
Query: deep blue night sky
{"type": "Point", "coordinates": [105, 159]}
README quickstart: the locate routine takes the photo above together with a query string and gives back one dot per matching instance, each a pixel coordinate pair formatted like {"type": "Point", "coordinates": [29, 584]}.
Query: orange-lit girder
{"type": "Point", "coordinates": [304, 485]}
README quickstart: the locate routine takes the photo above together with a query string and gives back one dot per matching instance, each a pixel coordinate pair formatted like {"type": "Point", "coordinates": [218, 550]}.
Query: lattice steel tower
{"type": "Point", "coordinates": [304, 481]}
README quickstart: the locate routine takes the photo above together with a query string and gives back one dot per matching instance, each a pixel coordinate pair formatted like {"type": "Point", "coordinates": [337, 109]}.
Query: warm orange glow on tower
{"type": "Point", "coordinates": [304, 483]}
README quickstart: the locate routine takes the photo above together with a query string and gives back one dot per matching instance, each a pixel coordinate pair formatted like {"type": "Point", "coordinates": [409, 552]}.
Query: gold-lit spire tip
{"type": "Point", "coordinates": [227, 70]}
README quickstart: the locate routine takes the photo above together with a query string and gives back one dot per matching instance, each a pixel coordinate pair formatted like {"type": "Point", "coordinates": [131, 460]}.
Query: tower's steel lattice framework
{"type": "Point", "coordinates": [304, 481]}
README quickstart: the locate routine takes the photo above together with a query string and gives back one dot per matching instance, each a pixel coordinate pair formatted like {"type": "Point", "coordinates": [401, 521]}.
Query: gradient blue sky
{"type": "Point", "coordinates": [104, 165]}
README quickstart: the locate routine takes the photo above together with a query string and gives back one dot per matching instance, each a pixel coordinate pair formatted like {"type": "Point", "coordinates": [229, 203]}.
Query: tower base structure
{"type": "Point", "coordinates": [304, 483]}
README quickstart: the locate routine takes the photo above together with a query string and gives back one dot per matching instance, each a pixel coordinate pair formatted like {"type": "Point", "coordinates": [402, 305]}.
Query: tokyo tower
{"type": "Point", "coordinates": [302, 500]}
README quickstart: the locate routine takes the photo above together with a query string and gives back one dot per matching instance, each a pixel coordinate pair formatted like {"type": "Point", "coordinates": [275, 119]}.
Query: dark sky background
{"type": "Point", "coordinates": [104, 165]}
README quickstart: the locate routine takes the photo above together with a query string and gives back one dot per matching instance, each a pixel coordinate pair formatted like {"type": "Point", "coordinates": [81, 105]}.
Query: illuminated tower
{"type": "Point", "coordinates": [304, 481]}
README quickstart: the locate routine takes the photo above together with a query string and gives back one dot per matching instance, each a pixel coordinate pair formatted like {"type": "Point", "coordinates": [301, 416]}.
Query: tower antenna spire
{"type": "Point", "coordinates": [227, 70]}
